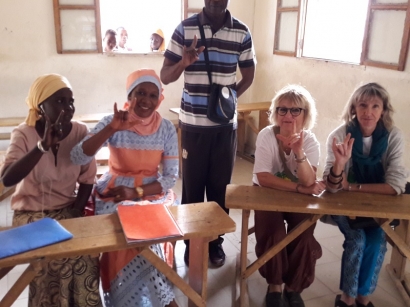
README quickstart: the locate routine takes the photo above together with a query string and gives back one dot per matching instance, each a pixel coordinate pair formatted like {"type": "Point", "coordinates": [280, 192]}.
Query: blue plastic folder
{"type": "Point", "coordinates": [31, 236]}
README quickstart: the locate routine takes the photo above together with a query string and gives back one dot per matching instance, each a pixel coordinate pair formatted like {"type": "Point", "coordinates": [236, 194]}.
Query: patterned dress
{"type": "Point", "coordinates": [134, 161]}
{"type": "Point", "coordinates": [49, 191]}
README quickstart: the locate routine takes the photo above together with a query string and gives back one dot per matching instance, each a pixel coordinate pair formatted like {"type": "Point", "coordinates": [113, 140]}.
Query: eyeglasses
{"type": "Point", "coordinates": [282, 111]}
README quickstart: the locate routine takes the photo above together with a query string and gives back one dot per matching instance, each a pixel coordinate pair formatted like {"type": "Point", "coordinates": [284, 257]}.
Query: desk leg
{"type": "Point", "coordinates": [243, 262]}
{"type": "Point", "coordinates": [249, 122]}
{"type": "Point", "coordinates": [397, 260]}
{"type": "Point", "coordinates": [198, 266]}
{"type": "Point", "coordinates": [397, 265]}
{"type": "Point", "coordinates": [21, 284]}
{"type": "Point", "coordinates": [263, 119]}
{"type": "Point", "coordinates": [164, 268]}
{"type": "Point", "coordinates": [241, 133]}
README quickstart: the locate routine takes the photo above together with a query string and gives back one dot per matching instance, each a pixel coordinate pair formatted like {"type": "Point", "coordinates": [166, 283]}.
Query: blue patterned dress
{"type": "Point", "coordinates": [134, 161]}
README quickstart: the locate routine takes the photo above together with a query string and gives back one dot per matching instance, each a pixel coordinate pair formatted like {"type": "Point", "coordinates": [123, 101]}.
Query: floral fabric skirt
{"type": "Point", "coordinates": [66, 282]}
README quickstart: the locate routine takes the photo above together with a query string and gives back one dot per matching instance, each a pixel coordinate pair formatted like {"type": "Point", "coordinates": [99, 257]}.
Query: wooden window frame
{"type": "Point", "coordinates": [57, 8]}
{"type": "Point", "coordinates": [280, 10]}
{"type": "Point", "coordinates": [188, 10]}
{"type": "Point", "coordinates": [364, 60]}
{"type": "Point", "coordinates": [374, 6]}
{"type": "Point", "coordinates": [57, 24]}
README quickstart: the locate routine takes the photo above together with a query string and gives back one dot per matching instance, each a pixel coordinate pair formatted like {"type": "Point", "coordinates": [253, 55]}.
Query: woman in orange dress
{"type": "Point", "coordinates": [140, 141]}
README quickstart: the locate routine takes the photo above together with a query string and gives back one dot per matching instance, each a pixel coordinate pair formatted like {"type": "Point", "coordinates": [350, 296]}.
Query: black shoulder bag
{"type": "Point", "coordinates": [222, 99]}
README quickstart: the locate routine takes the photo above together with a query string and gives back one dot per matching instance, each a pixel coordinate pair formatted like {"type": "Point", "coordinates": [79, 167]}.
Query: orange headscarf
{"type": "Point", "coordinates": [42, 88]}
{"type": "Point", "coordinates": [150, 124]}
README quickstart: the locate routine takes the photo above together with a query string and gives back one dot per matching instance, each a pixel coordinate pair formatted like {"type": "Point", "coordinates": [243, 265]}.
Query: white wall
{"type": "Point", "coordinates": [28, 49]}
{"type": "Point", "coordinates": [330, 83]}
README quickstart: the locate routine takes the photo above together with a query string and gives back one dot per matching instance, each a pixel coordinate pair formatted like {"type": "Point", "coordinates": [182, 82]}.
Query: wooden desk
{"type": "Point", "coordinates": [244, 110]}
{"type": "Point", "coordinates": [85, 118]}
{"type": "Point", "coordinates": [200, 223]}
{"type": "Point", "coordinates": [15, 121]}
{"type": "Point", "coordinates": [175, 110]}
{"type": "Point", "coordinates": [383, 208]}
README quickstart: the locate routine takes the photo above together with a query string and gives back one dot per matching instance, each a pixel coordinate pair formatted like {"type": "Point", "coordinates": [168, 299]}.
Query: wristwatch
{"type": "Point", "coordinates": [140, 192]}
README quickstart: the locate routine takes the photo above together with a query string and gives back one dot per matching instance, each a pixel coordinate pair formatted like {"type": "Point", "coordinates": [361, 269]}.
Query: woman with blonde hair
{"type": "Point", "coordinates": [365, 155]}
{"type": "Point", "coordinates": [286, 158]}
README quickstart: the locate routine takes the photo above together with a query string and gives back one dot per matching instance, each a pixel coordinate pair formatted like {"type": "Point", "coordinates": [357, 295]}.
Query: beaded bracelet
{"type": "Point", "coordinates": [332, 182]}
{"type": "Point", "coordinates": [333, 174]}
{"type": "Point", "coordinates": [301, 160]}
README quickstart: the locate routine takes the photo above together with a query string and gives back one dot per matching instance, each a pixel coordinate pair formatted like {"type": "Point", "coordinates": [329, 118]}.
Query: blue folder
{"type": "Point", "coordinates": [31, 236]}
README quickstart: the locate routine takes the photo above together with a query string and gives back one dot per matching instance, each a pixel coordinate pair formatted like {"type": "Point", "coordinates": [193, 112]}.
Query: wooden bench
{"type": "Point", "coordinates": [92, 118]}
{"type": "Point", "coordinates": [102, 156]}
{"type": "Point", "coordinates": [5, 136]}
{"type": "Point", "coordinates": [200, 223]}
{"type": "Point", "coordinates": [383, 208]}
{"type": "Point", "coordinates": [15, 121]}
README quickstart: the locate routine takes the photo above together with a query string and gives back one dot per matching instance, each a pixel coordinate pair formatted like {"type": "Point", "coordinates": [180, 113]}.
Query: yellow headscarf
{"type": "Point", "coordinates": [162, 46]}
{"type": "Point", "coordinates": [42, 88]}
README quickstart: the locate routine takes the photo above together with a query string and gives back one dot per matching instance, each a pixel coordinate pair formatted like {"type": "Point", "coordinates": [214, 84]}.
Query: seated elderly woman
{"type": "Point", "coordinates": [140, 141]}
{"type": "Point", "coordinates": [286, 158]}
{"type": "Point", "coordinates": [38, 161]}
{"type": "Point", "coordinates": [365, 155]}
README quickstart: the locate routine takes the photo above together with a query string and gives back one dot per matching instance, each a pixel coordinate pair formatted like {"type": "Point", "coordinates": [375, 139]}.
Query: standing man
{"type": "Point", "coordinates": [208, 148]}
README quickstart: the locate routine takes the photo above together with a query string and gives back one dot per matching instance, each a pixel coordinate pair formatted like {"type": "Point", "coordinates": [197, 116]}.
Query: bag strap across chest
{"type": "Point", "coordinates": [203, 39]}
{"type": "Point", "coordinates": [286, 170]}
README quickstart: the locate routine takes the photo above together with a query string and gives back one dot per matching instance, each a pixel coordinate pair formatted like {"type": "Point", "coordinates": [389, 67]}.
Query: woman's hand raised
{"type": "Point", "coordinates": [342, 152]}
{"type": "Point", "coordinates": [121, 120]}
{"type": "Point", "coordinates": [53, 133]}
{"type": "Point", "coordinates": [293, 141]}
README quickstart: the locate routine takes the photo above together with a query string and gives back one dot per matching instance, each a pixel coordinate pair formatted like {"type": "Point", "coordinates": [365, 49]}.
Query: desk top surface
{"type": "Point", "coordinates": [241, 107]}
{"type": "Point", "coordinates": [103, 233]}
{"type": "Point", "coordinates": [85, 118]}
{"type": "Point", "coordinates": [341, 203]}
{"type": "Point", "coordinates": [253, 106]}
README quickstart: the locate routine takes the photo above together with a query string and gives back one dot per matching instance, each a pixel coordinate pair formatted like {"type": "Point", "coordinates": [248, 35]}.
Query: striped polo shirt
{"type": "Point", "coordinates": [228, 47]}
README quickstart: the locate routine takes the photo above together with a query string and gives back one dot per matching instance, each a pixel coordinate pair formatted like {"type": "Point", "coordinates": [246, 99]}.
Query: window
{"type": "Point", "coordinates": [373, 33]}
{"type": "Point", "coordinates": [80, 25]}
{"type": "Point", "coordinates": [140, 19]}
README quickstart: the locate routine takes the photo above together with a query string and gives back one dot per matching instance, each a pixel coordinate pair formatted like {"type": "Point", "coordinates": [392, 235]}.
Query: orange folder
{"type": "Point", "coordinates": [147, 222]}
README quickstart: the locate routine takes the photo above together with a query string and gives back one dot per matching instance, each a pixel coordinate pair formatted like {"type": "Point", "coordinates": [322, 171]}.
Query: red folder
{"type": "Point", "coordinates": [147, 222]}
